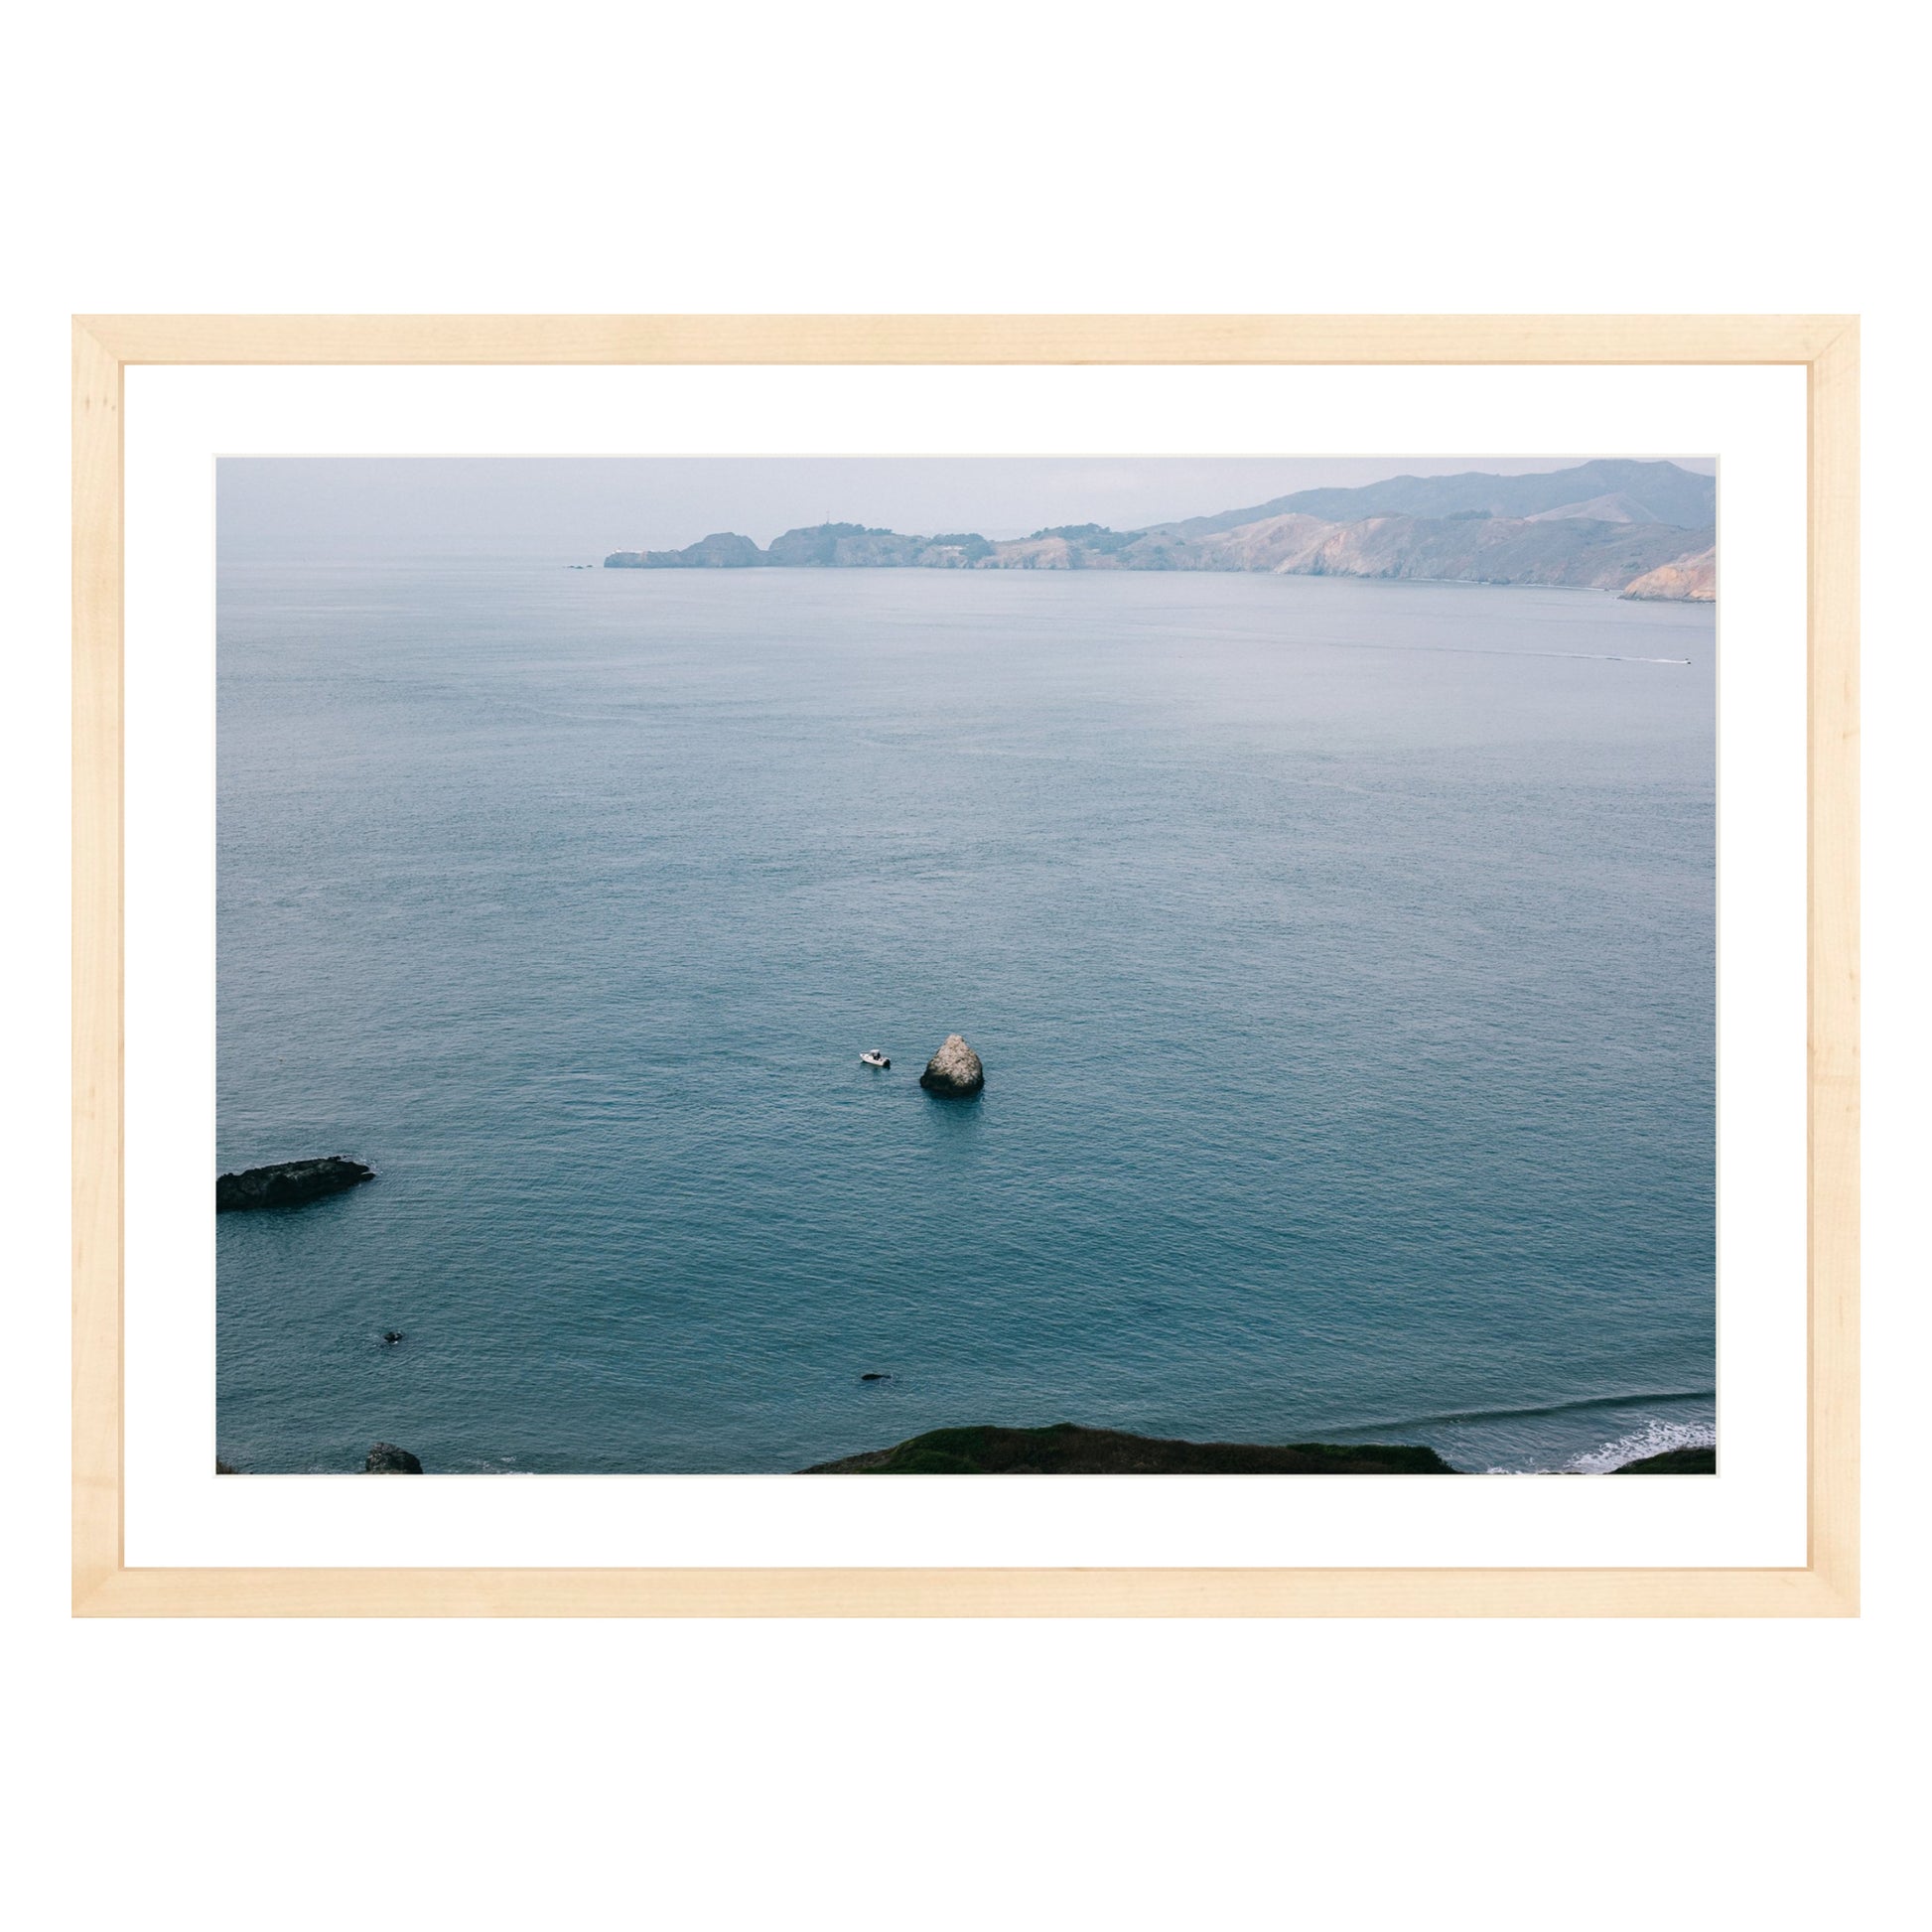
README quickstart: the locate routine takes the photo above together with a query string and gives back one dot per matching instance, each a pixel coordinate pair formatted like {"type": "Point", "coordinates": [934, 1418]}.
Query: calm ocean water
{"type": "Point", "coordinates": [1342, 956]}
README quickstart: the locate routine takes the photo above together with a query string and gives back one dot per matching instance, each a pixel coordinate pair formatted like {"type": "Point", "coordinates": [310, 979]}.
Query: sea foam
{"type": "Point", "coordinates": [1653, 1438]}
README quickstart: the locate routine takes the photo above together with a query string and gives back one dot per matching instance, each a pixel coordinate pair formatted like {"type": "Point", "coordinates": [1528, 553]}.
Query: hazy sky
{"type": "Point", "coordinates": [602, 504]}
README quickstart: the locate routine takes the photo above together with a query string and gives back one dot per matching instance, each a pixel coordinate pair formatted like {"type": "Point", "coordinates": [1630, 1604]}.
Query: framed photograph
{"type": "Point", "coordinates": [1239, 913]}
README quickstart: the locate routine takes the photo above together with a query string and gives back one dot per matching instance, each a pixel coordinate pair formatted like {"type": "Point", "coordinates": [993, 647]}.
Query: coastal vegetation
{"type": "Point", "coordinates": [1066, 1448]}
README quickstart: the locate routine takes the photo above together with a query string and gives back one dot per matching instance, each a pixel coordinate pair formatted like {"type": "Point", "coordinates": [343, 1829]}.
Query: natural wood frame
{"type": "Point", "coordinates": [1826, 346]}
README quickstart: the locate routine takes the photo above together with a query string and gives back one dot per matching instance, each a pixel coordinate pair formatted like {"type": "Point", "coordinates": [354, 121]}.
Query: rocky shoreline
{"type": "Point", "coordinates": [1066, 1448]}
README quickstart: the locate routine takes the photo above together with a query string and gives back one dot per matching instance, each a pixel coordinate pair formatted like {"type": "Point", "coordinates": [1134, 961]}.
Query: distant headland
{"type": "Point", "coordinates": [1641, 531]}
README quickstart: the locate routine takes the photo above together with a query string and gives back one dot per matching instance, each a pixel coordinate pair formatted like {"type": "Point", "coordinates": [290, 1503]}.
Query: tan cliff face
{"type": "Point", "coordinates": [1039, 553]}
{"type": "Point", "coordinates": [1690, 580]}
{"type": "Point", "coordinates": [1581, 553]}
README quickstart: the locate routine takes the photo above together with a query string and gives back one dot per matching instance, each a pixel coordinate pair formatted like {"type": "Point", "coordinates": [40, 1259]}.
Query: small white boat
{"type": "Point", "coordinates": [874, 1058]}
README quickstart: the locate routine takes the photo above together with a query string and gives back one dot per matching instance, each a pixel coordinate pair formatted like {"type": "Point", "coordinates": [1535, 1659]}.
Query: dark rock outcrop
{"type": "Point", "coordinates": [288, 1183]}
{"type": "Point", "coordinates": [954, 1072]}
{"type": "Point", "coordinates": [386, 1460]}
{"type": "Point", "coordinates": [225, 1468]}
{"type": "Point", "coordinates": [1701, 1462]}
{"type": "Point", "coordinates": [1068, 1450]}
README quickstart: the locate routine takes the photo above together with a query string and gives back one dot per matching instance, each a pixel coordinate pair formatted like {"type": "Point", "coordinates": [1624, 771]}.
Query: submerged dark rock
{"type": "Point", "coordinates": [955, 1071]}
{"type": "Point", "coordinates": [386, 1460]}
{"type": "Point", "coordinates": [874, 1375]}
{"type": "Point", "coordinates": [225, 1468]}
{"type": "Point", "coordinates": [288, 1183]}
{"type": "Point", "coordinates": [1700, 1462]}
{"type": "Point", "coordinates": [1068, 1450]}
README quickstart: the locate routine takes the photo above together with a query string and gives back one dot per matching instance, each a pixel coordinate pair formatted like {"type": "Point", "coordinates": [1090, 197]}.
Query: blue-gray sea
{"type": "Point", "coordinates": [1340, 954]}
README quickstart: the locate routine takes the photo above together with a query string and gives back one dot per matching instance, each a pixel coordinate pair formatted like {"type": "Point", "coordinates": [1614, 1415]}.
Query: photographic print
{"type": "Point", "coordinates": [966, 965]}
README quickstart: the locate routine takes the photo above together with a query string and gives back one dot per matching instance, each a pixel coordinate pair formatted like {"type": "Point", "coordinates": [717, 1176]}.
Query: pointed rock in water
{"type": "Point", "coordinates": [386, 1460]}
{"type": "Point", "coordinates": [954, 1071]}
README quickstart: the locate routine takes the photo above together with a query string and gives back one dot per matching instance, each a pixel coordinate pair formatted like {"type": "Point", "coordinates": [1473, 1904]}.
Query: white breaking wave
{"type": "Point", "coordinates": [1653, 1438]}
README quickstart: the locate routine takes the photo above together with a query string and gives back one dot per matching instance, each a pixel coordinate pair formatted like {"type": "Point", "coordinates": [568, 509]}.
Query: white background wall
{"type": "Point", "coordinates": [1395, 158]}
